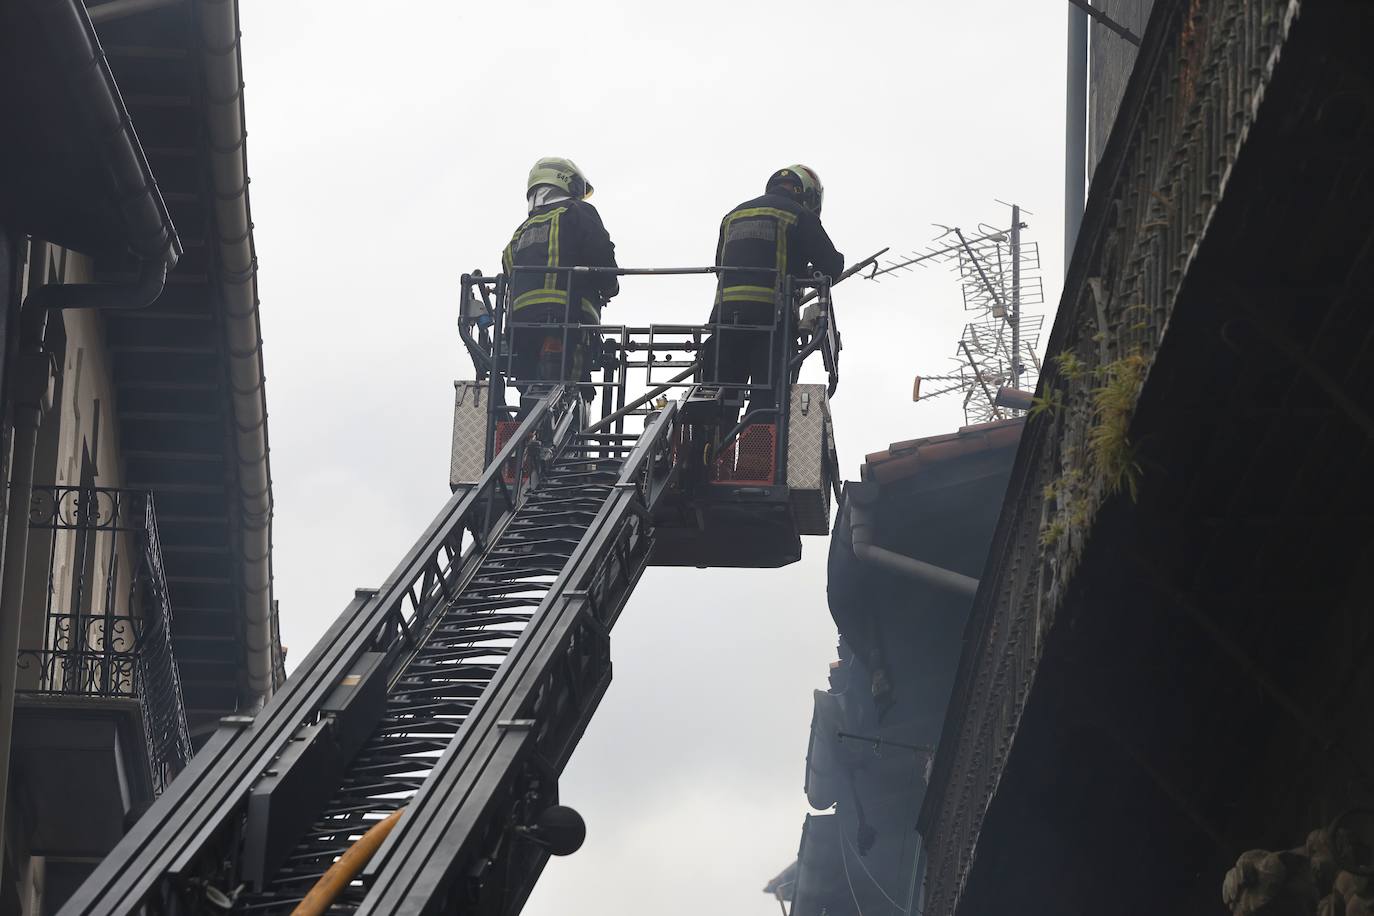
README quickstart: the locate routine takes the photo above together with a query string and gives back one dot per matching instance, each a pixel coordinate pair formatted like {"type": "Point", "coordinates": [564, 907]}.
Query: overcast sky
{"type": "Point", "coordinates": [388, 147]}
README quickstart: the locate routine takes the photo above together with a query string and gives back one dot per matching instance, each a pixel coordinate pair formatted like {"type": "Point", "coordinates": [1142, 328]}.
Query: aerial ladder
{"type": "Point", "coordinates": [410, 764]}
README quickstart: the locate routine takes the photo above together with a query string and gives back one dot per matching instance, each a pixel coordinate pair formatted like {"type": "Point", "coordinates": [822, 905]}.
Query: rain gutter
{"type": "Point", "coordinates": [863, 528]}
{"type": "Point", "coordinates": [77, 54]}
{"type": "Point", "coordinates": [217, 23]}
{"type": "Point", "coordinates": [118, 9]}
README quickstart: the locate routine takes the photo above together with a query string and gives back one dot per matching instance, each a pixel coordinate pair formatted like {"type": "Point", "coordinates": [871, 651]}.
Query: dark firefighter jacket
{"type": "Point", "coordinates": [772, 232]}
{"type": "Point", "coordinates": [565, 233]}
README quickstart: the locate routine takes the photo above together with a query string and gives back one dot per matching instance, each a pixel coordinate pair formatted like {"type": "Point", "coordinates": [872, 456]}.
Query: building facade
{"type": "Point", "coordinates": [905, 557]}
{"type": "Point", "coordinates": [136, 578]}
{"type": "Point", "coordinates": [1165, 670]}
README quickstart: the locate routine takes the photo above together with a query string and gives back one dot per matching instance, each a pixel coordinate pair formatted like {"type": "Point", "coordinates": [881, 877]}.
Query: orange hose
{"type": "Point", "coordinates": [346, 868]}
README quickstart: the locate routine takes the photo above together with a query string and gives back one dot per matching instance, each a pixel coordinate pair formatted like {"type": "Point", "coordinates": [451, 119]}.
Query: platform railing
{"type": "Point", "coordinates": [630, 365]}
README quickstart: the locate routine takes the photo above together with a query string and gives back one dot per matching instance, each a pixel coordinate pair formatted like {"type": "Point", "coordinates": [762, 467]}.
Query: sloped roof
{"type": "Point", "coordinates": [901, 460]}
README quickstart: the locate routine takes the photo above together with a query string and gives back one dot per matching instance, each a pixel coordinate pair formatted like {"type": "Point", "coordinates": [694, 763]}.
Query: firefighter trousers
{"type": "Point", "coordinates": [740, 355]}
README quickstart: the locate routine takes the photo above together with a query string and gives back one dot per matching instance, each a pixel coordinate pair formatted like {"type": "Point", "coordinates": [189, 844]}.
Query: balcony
{"type": "Point", "coordinates": [100, 724]}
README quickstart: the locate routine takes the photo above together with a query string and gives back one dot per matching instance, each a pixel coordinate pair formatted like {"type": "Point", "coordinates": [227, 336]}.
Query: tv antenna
{"type": "Point", "coordinates": [997, 355]}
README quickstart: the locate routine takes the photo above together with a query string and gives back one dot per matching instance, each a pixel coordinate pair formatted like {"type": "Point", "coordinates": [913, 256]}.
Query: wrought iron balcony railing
{"type": "Point", "coordinates": [107, 619]}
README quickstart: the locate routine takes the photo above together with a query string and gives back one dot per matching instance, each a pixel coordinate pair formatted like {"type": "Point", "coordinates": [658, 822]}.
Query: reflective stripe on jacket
{"type": "Point", "coordinates": [562, 234]}
{"type": "Point", "coordinates": [773, 233]}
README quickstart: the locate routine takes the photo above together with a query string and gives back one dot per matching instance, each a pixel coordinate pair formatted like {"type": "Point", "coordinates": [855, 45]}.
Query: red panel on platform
{"type": "Point", "coordinates": [751, 458]}
{"type": "Point", "coordinates": [504, 430]}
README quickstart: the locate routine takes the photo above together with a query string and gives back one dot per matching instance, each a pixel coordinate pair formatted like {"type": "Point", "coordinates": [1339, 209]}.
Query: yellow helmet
{"type": "Point", "coordinates": [562, 174]}
{"type": "Point", "coordinates": [805, 177]}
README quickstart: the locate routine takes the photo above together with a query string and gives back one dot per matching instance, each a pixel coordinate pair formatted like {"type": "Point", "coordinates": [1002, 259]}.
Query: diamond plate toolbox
{"type": "Point", "coordinates": [469, 433]}
{"type": "Point", "coordinates": [810, 458]}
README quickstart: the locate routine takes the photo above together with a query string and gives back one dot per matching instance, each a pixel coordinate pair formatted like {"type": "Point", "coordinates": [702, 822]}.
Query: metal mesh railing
{"type": "Point", "coordinates": [750, 458]}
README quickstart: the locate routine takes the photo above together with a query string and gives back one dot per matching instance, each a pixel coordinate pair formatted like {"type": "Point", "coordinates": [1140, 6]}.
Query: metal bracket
{"type": "Point", "coordinates": [1107, 22]}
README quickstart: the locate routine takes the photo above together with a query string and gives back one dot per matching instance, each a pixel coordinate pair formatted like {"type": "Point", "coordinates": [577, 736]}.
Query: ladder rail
{"type": "Point", "coordinates": [176, 831]}
{"type": "Point", "coordinates": [455, 819]}
{"type": "Point", "coordinates": [401, 724]}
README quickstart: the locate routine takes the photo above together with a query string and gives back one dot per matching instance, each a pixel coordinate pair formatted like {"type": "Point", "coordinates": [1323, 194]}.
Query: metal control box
{"type": "Point", "coordinates": [469, 433]}
{"type": "Point", "coordinates": [811, 459]}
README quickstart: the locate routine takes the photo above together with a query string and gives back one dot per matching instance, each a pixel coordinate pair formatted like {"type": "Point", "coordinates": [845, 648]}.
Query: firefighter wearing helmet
{"type": "Point", "coordinates": [561, 230]}
{"type": "Point", "coordinates": [781, 234]}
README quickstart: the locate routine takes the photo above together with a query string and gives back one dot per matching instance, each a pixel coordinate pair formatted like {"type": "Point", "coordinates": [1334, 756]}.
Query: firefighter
{"type": "Point", "coordinates": [562, 230]}
{"type": "Point", "coordinates": [779, 231]}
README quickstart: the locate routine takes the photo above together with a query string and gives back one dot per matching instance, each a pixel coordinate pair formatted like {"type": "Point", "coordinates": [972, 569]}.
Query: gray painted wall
{"type": "Point", "coordinates": [1110, 59]}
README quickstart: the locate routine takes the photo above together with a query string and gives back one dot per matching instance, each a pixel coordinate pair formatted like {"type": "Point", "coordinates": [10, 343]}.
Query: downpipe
{"type": "Point", "coordinates": [863, 530]}
{"type": "Point", "coordinates": [103, 297]}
